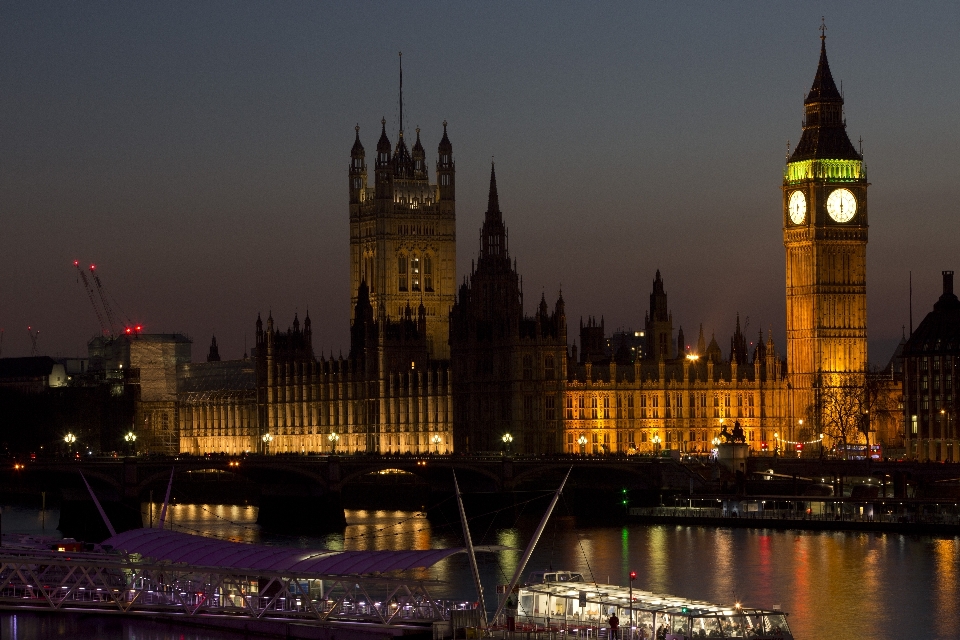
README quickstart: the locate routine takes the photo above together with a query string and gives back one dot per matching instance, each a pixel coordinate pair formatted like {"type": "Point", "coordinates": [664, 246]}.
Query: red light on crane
{"type": "Point", "coordinates": [128, 330]}
{"type": "Point", "coordinates": [139, 328]}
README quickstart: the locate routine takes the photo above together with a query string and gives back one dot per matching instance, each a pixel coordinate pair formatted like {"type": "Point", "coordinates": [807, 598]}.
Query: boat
{"type": "Point", "coordinates": [552, 601]}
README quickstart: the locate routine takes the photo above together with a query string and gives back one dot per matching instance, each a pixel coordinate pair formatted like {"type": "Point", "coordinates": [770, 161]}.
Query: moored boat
{"type": "Point", "coordinates": [552, 601]}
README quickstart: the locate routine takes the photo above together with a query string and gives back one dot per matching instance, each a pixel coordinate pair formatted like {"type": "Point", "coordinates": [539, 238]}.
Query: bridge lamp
{"type": "Point", "coordinates": [267, 439]}
{"type": "Point", "coordinates": [333, 438]}
{"type": "Point", "coordinates": [507, 439]}
{"type": "Point", "coordinates": [436, 439]}
{"type": "Point", "coordinates": [69, 438]}
{"type": "Point", "coordinates": [130, 437]}
{"type": "Point", "coordinates": [582, 441]}
{"type": "Point", "coordinates": [656, 443]}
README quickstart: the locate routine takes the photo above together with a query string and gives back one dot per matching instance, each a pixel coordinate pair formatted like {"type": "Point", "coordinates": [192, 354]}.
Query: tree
{"type": "Point", "coordinates": [842, 407]}
{"type": "Point", "coordinates": [854, 405]}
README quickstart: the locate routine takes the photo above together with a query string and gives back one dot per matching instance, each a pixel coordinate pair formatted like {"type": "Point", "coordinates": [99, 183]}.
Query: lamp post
{"type": "Point", "coordinates": [633, 576]}
{"type": "Point", "coordinates": [656, 444]}
{"type": "Point", "coordinates": [776, 444]}
{"type": "Point", "coordinates": [69, 439]}
{"type": "Point", "coordinates": [131, 439]}
{"type": "Point", "coordinates": [334, 437]}
{"type": "Point", "coordinates": [267, 439]}
{"type": "Point", "coordinates": [507, 439]}
{"type": "Point", "coordinates": [436, 441]}
{"type": "Point", "coordinates": [582, 441]}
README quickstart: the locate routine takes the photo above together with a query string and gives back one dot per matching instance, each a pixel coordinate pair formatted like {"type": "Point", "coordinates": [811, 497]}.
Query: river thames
{"type": "Point", "coordinates": [844, 586]}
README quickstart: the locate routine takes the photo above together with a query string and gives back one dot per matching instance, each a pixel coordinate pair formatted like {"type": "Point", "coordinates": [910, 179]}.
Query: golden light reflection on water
{"type": "Point", "coordinates": [946, 590]}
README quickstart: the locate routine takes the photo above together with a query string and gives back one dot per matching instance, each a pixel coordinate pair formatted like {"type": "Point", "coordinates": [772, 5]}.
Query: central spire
{"type": "Point", "coordinates": [493, 200]}
{"type": "Point", "coordinates": [400, 55]}
{"type": "Point", "coordinates": [493, 236]}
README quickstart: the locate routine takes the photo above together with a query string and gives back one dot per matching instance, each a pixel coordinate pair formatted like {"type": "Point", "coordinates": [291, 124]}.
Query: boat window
{"type": "Point", "coordinates": [706, 627]}
{"type": "Point", "coordinates": [776, 624]}
{"type": "Point", "coordinates": [576, 577]}
{"type": "Point", "coordinates": [549, 577]}
{"type": "Point", "coordinates": [535, 578]}
{"type": "Point", "coordinates": [526, 604]}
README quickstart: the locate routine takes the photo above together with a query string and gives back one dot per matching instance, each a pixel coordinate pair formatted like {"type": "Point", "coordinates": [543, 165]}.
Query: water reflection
{"type": "Point", "coordinates": [846, 586]}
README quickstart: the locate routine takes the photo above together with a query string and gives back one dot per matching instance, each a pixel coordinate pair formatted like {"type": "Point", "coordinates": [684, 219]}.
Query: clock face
{"type": "Point", "coordinates": [798, 207]}
{"type": "Point", "coordinates": [841, 205]}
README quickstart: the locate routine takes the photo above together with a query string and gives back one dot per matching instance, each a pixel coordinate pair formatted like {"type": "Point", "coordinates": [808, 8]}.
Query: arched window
{"type": "Point", "coordinates": [415, 272]}
{"type": "Point", "coordinates": [548, 368]}
{"type": "Point", "coordinates": [427, 273]}
{"type": "Point", "coordinates": [402, 272]}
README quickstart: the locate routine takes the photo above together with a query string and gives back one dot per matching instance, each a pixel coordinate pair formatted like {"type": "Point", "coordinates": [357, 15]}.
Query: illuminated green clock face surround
{"type": "Point", "coordinates": [798, 207]}
{"type": "Point", "coordinates": [841, 205]}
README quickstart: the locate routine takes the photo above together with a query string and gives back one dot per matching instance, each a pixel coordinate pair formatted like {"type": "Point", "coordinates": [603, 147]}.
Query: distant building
{"type": "Point", "coordinates": [32, 374]}
{"type": "Point", "coordinates": [931, 383]}
{"type": "Point", "coordinates": [146, 364]}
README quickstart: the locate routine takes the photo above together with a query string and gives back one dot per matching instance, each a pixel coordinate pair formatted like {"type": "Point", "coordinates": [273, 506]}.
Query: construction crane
{"type": "Point", "coordinates": [34, 336]}
{"type": "Point", "coordinates": [103, 299]}
{"type": "Point", "coordinates": [93, 299]}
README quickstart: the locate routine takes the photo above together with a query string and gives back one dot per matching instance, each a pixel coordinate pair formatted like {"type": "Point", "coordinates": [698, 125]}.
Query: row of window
{"type": "Point", "coordinates": [412, 273]}
{"type": "Point", "coordinates": [549, 368]}
{"type": "Point", "coordinates": [629, 437]}
{"type": "Point", "coordinates": [650, 406]}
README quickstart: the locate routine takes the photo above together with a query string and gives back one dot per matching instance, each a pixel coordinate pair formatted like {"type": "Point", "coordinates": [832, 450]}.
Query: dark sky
{"type": "Point", "coordinates": [197, 153]}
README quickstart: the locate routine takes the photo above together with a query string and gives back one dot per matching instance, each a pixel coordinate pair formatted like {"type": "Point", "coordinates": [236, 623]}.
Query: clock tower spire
{"type": "Point", "coordinates": [825, 237]}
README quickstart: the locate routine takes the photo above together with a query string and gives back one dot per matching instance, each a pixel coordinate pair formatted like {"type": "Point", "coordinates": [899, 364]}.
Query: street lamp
{"type": "Point", "coordinates": [656, 444]}
{"type": "Point", "coordinates": [131, 439]}
{"type": "Point", "coordinates": [267, 439]}
{"type": "Point", "coordinates": [507, 439]}
{"type": "Point", "coordinates": [436, 441]}
{"type": "Point", "coordinates": [633, 576]}
{"type": "Point", "coordinates": [582, 441]}
{"type": "Point", "coordinates": [334, 437]}
{"type": "Point", "coordinates": [776, 443]}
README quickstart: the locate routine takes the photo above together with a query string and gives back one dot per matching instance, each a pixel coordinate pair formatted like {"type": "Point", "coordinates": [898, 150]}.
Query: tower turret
{"type": "Point", "coordinates": [358, 170]}
{"type": "Point", "coordinates": [446, 170]}
{"type": "Point", "coordinates": [419, 159]}
{"type": "Point", "coordinates": [384, 170]}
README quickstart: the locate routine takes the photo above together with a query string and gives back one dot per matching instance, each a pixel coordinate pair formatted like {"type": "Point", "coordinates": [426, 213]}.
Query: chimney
{"type": "Point", "coordinates": [948, 283]}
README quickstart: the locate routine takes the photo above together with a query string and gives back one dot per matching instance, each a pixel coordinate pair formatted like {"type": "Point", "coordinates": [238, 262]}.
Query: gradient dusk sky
{"type": "Point", "coordinates": [198, 152]}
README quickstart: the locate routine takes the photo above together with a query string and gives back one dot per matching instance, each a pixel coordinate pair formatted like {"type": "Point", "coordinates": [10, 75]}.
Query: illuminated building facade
{"type": "Point", "coordinates": [386, 397]}
{"type": "Point", "coordinates": [403, 233]}
{"type": "Point", "coordinates": [825, 236]}
{"type": "Point", "coordinates": [615, 405]}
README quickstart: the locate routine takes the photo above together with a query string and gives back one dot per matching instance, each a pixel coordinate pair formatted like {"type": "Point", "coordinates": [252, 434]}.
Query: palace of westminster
{"type": "Point", "coordinates": [437, 367]}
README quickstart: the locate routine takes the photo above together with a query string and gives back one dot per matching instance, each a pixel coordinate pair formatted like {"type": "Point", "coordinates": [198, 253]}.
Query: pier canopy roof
{"type": "Point", "coordinates": [173, 546]}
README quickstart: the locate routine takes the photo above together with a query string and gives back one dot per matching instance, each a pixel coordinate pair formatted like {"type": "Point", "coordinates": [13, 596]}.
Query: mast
{"type": "Point", "coordinates": [533, 543]}
{"type": "Point", "coordinates": [470, 552]}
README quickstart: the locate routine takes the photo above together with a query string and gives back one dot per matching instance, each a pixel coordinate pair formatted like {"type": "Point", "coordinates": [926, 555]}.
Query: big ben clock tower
{"type": "Point", "coordinates": [825, 236]}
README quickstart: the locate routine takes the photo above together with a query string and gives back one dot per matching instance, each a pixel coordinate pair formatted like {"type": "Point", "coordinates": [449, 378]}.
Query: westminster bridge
{"type": "Point", "coordinates": [303, 493]}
